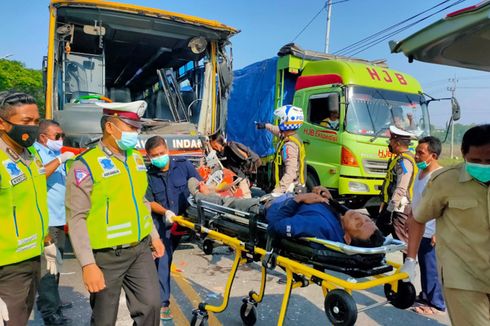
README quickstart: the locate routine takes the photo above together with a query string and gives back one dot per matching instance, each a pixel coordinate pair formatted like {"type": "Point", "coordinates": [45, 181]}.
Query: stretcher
{"type": "Point", "coordinates": [304, 264]}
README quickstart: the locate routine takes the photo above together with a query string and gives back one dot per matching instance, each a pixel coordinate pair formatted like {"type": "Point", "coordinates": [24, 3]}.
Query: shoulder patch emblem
{"type": "Point", "coordinates": [108, 167]}
{"type": "Point", "coordinates": [80, 175]}
{"type": "Point", "coordinates": [40, 166]}
{"type": "Point", "coordinates": [16, 175]}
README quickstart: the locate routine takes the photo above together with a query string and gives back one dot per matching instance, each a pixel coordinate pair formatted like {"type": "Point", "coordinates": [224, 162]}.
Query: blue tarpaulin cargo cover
{"type": "Point", "coordinates": [252, 99]}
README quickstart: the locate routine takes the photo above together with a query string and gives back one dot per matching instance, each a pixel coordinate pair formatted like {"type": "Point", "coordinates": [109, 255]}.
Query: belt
{"type": "Point", "coordinates": [123, 246]}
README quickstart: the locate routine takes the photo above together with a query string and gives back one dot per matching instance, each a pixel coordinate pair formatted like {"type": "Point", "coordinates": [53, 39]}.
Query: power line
{"type": "Point", "coordinates": [315, 16]}
{"type": "Point", "coordinates": [339, 52]}
{"type": "Point", "coordinates": [384, 38]}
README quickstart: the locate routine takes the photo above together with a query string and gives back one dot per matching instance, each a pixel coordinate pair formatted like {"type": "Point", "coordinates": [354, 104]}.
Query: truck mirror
{"type": "Point", "coordinates": [45, 71]}
{"type": "Point", "coordinates": [455, 108]}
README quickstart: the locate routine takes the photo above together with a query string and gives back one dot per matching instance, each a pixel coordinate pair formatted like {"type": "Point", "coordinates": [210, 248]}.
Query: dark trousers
{"type": "Point", "coordinates": [48, 300]}
{"type": "Point", "coordinates": [431, 287]}
{"type": "Point", "coordinates": [163, 267]}
{"type": "Point", "coordinates": [130, 269]}
{"type": "Point", "coordinates": [18, 285]}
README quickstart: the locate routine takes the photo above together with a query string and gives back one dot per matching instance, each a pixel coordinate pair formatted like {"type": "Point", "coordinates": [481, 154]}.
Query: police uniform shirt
{"type": "Point", "coordinates": [460, 205]}
{"type": "Point", "coordinates": [404, 171]}
{"type": "Point", "coordinates": [79, 186]}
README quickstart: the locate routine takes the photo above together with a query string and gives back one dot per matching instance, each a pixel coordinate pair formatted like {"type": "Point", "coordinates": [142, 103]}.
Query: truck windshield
{"type": "Point", "coordinates": [371, 111]}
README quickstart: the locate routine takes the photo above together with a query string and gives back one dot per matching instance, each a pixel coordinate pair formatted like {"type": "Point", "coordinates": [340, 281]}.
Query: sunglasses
{"type": "Point", "coordinates": [58, 136]}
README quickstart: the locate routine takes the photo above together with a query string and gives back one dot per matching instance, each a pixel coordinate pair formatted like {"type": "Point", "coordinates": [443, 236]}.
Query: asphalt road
{"type": "Point", "coordinates": [198, 277]}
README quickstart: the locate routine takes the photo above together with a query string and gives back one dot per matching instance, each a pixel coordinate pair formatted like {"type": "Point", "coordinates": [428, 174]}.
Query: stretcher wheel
{"type": "Point", "coordinates": [404, 298]}
{"type": "Point", "coordinates": [199, 319]}
{"type": "Point", "coordinates": [251, 318]}
{"type": "Point", "coordinates": [208, 247]}
{"type": "Point", "coordinates": [340, 308]}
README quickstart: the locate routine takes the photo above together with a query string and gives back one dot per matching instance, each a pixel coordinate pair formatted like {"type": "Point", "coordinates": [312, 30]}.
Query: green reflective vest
{"type": "Point", "coordinates": [279, 162]}
{"type": "Point", "coordinates": [389, 183]}
{"type": "Point", "coordinates": [118, 214]}
{"type": "Point", "coordinates": [23, 208]}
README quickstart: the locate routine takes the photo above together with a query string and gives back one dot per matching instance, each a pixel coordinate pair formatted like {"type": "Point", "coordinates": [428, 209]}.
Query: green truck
{"type": "Point", "coordinates": [350, 158]}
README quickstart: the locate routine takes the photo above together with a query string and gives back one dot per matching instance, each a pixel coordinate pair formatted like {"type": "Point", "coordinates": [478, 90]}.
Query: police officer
{"type": "Point", "coordinates": [457, 197]}
{"type": "Point", "coordinates": [23, 209]}
{"type": "Point", "coordinates": [109, 220]}
{"type": "Point", "coordinates": [289, 160]}
{"type": "Point", "coordinates": [167, 193]}
{"type": "Point", "coordinates": [397, 187]}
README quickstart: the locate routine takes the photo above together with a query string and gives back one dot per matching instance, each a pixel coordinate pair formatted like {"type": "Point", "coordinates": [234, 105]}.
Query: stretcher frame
{"type": "Point", "coordinates": [299, 275]}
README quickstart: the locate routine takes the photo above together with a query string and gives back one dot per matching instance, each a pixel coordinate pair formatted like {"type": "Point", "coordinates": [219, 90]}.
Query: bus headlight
{"type": "Point", "coordinates": [358, 187]}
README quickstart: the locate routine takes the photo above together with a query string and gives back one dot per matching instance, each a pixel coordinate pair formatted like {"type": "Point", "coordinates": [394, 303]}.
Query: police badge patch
{"type": "Point", "coordinates": [108, 167]}
{"type": "Point", "coordinates": [140, 164]}
{"type": "Point", "coordinates": [16, 175]}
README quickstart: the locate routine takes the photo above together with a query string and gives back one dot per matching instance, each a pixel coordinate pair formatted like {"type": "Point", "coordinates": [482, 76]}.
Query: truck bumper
{"type": "Point", "coordinates": [359, 186]}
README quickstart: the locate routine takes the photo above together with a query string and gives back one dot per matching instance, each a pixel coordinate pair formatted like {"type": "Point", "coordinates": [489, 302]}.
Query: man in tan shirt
{"type": "Point", "coordinates": [458, 198]}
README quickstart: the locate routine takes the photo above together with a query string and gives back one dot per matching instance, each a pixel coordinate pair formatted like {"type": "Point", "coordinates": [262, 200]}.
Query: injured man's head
{"type": "Point", "coordinates": [360, 230]}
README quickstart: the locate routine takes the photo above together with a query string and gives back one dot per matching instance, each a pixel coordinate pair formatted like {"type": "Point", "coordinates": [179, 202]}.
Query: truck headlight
{"type": "Point", "coordinates": [358, 187]}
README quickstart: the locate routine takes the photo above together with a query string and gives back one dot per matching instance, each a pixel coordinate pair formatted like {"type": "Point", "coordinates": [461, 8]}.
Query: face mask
{"type": "Point", "coordinates": [128, 140]}
{"type": "Point", "coordinates": [423, 165]}
{"type": "Point", "coordinates": [54, 145]}
{"type": "Point", "coordinates": [480, 172]}
{"type": "Point", "coordinates": [160, 161]}
{"type": "Point", "coordinates": [23, 135]}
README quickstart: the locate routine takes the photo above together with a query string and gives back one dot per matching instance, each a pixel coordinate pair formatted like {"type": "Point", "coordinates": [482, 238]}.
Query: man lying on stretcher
{"type": "Point", "coordinates": [304, 215]}
{"type": "Point", "coordinates": [310, 215]}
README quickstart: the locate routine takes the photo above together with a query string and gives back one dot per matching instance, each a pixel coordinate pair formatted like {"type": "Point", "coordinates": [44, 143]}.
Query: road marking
{"type": "Point", "coordinates": [191, 294]}
{"type": "Point", "coordinates": [179, 317]}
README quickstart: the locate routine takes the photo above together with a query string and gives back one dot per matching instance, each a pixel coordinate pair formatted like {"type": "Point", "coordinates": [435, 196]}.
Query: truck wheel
{"type": "Point", "coordinates": [208, 246]}
{"type": "Point", "coordinates": [311, 180]}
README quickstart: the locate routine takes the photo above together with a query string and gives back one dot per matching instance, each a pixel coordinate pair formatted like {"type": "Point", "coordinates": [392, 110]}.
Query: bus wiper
{"type": "Point", "coordinates": [377, 134]}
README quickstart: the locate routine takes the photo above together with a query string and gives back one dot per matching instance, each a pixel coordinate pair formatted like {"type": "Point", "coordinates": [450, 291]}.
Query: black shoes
{"type": "Point", "coordinates": [57, 320]}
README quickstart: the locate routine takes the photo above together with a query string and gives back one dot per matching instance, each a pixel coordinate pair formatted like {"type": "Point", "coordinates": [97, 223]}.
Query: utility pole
{"type": "Point", "coordinates": [452, 89]}
{"type": "Point", "coordinates": [327, 34]}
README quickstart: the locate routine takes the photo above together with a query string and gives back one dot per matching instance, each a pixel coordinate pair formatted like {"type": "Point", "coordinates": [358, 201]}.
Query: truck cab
{"type": "Point", "coordinates": [106, 51]}
{"type": "Point", "coordinates": [348, 106]}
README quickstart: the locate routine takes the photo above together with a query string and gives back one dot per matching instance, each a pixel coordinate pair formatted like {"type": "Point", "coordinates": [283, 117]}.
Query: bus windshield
{"type": "Point", "coordinates": [371, 111]}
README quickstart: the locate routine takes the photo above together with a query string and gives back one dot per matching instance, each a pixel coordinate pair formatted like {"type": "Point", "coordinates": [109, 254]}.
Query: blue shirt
{"type": "Point", "coordinates": [169, 188]}
{"type": "Point", "coordinates": [56, 186]}
{"type": "Point", "coordinates": [289, 219]}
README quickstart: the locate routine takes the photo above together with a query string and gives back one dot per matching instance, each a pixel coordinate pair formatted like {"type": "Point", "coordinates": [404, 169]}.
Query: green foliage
{"type": "Point", "coordinates": [14, 75]}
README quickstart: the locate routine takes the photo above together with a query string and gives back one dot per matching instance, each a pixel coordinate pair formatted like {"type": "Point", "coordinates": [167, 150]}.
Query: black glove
{"type": "Point", "coordinates": [259, 125]}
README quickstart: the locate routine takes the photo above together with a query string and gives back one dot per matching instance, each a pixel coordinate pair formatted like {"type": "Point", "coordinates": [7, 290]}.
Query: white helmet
{"type": "Point", "coordinates": [290, 117]}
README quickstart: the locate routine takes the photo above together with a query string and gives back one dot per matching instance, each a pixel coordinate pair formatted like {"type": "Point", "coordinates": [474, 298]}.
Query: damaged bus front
{"type": "Point", "coordinates": [104, 51]}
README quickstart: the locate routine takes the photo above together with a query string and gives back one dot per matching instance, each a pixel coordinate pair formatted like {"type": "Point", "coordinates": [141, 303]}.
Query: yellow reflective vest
{"type": "Point", "coordinates": [23, 208]}
{"type": "Point", "coordinates": [389, 183]}
{"type": "Point", "coordinates": [279, 161]}
{"type": "Point", "coordinates": [118, 214]}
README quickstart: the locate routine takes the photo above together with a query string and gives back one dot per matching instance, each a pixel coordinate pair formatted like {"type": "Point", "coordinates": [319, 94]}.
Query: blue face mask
{"type": "Point", "coordinates": [128, 140]}
{"type": "Point", "coordinates": [422, 165]}
{"type": "Point", "coordinates": [480, 172]}
{"type": "Point", "coordinates": [160, 161]}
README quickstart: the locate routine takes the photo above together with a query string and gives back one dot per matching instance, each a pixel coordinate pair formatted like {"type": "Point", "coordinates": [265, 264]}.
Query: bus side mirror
{"type": "Point", "coordinates": [44, 70]}
{"type": "Point", "coordinates": [455, 109]}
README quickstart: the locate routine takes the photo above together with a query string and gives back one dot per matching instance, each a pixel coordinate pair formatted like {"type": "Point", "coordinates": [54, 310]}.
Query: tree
{"type": "Point", "coordinates": [15, 76]}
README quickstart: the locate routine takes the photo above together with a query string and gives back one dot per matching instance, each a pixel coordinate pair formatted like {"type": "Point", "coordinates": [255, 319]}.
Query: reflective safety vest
{"type": "Point", "coordinates": [23, 208]}
{"type": "Point", "coordinates": [279, 162]}
{"type": "Point", "coordinates": [118, 214]}
{"type": "Point", "coordinates": [389, 183]}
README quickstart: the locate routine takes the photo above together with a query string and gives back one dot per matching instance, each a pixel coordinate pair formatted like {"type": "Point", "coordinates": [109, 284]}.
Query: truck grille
{"type": "Point", "coordinates": [375, 166]}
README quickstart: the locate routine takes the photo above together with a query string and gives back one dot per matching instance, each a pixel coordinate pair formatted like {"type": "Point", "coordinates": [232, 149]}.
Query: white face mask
{"type": "Point", "coordinates": [55, 145]}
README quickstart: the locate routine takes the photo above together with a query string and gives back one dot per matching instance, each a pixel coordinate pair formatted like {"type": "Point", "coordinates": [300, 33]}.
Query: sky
{"type": "Point", "coordinates": [266, 25]}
